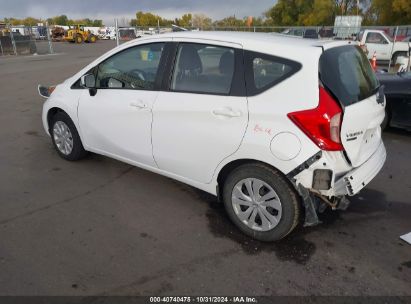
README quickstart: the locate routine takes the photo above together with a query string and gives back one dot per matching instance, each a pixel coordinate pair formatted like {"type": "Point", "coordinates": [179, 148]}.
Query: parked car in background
{"type": "Point", "coordinates": [382, 45]}
{"type": "Point", "coordinates": [224, 112]}
{"type": "Point", "coordinates": [311, 34]}
{"type": "Point", "coordinates": [299, 32]}
{"type": "Point", "coordinates": [302, 32]}
{"type": "Point", "coordinates": [326, 32]}
{"type": "Point", "coordinates": [397, 89]}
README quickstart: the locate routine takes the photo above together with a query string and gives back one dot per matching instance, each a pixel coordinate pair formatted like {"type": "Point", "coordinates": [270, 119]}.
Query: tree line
{"type": "Point", "coordinates": [283, 13]}
{"type": "Point", "coordinates": [57, 20]}
{"type": "Point", "coordinates": [323, 12]}
{"type": "Point", "coordinates": [297, 13]}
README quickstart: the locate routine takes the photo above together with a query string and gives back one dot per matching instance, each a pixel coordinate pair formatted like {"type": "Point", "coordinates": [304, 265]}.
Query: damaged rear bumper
{"type": "Point", "coordinates": [349, 184]}
{"type": "Point", "coordinates": [355, 180]}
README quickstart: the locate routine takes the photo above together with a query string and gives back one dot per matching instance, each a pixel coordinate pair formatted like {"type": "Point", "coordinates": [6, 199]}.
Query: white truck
{"type": "Point", "coordinates": [382, 44]}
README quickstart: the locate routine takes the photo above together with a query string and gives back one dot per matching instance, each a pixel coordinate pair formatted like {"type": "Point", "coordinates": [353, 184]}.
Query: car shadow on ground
{"type": "Point", "coordinates": [295, 247]}
{"type": "Point", "coordinates": [397, 131]}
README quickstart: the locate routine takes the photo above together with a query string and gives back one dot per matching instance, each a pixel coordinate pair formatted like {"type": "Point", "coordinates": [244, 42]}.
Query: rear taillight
{"type": "Point", "coordinates": [322, 124]}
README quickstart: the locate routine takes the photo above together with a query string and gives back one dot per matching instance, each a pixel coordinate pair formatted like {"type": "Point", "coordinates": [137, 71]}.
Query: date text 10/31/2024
{"type": "Point", "coordinates": [203, 300]}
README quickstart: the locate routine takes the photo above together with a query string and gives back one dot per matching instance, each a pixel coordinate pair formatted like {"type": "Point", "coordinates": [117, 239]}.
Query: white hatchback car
{"type": "Point", "coordinates": [276, 127]}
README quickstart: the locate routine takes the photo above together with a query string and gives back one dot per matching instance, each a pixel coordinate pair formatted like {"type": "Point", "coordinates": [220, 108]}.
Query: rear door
{"type": "Point", "coordinates": [346, 72]}
{"type": "Point", "coordinates": [202, 117]}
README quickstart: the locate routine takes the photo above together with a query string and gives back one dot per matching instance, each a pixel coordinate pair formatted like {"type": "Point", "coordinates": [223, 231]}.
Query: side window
{"type": "Point", "coordinates": [133, 68]}
{"type": "Point", "coordinates": [201, 68]}
{"type": "Point", "coordinates": [264, 71]}
{"type": "Point", "coordinates": [375, 38]}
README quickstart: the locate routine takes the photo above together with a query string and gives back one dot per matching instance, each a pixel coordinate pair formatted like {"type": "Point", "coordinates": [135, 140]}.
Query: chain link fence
{"type": "Point", "coordinates": [25, 40]}
{"type": "Point", "coordinates": [334, 32]}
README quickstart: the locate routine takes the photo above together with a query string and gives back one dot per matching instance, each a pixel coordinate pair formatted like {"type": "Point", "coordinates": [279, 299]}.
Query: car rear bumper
{"type": "Point", "coordinates": [352, 182]}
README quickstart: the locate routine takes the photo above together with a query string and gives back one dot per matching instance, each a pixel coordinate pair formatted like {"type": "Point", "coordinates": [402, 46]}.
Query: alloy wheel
{"type": "Point", "coordinates": [63, 137]}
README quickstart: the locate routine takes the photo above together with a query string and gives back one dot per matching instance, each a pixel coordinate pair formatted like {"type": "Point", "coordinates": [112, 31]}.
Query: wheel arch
{"type": "Point", "coordinates": [232, 165]}
{"type": "Point", "coordinates": [51, 112]}
{"type": "Point", "coordinates": [397, 53]}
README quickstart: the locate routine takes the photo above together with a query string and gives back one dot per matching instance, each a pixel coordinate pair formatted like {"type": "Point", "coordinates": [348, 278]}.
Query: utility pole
{"type": "Point", "coordinates": [12, 41]}
{"type": "Point", "coordinates": [117, 38]}
{"type": "Point", "coordinates": [51, 51]}
{"type": "Point", "coordinates": [392, 49]}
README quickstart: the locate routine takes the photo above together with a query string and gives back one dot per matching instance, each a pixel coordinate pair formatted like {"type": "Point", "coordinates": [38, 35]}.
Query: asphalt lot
{"type": "Point", "coordinates": [101, 227]}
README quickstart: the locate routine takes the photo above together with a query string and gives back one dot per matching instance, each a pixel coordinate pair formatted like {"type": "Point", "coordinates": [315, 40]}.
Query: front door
{"type": "Point", "coordinates": [117, 120]}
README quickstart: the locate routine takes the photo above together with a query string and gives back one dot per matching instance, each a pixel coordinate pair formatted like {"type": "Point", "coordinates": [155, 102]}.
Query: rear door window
{"type": "Point", "coordinates": [347, 73]}
{"type": "Point", "coordinates": [202, 68]}
{"type": "Point", "coordinates": [265, 71]}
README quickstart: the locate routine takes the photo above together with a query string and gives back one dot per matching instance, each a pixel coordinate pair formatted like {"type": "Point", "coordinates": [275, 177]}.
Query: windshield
{"type": "Point", "coordinates": [347, 73]}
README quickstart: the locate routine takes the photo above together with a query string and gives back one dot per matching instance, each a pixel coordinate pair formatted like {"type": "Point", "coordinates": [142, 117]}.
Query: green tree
{"type": "Point", "coordinates": [60, 20]}
{"type": "Point", "coordinates": [201, 21]}
{"type": "Point", "coordinates": [231, 21]}
{"type": "Point", "coordinates": [395, 12]}
{"type": "Point", "coordinates": [323, 13]}
{"type": "Point", "coordinates": [290, 12]}
{"type": "Point", "coordinates": [402, 8]}
{"type": "Point", "coordinates": [185, 20]}
{"type": "Point", "coordinates": [313, 12]}
{"type": "Point", "coordinates": [97, 22]}
{"type": "Point", "coordinates": [146, 19]}
{"type": "Point", "coordinates": [13, 21]}
{"type": "Point", "coordinates": [30, 21]}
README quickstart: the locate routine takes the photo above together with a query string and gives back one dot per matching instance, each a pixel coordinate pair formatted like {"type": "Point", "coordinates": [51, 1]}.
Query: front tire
{"type": "Point", "coordinates": [261, 203]}
{"type": "Point", "coordinates": [65, 137]}
{"type": "Point", "coordinates": [79, 39]}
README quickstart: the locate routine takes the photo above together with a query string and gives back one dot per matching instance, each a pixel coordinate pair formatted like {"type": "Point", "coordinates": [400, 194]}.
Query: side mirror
{"type": "Point", "coordinates": [88, 81]}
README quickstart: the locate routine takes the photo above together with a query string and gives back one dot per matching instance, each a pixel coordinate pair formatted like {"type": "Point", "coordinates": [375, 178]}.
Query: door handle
{"type": "Point", "coordinates": [138, 104]}
{"type": "Point", "coordinates": [227, 112]}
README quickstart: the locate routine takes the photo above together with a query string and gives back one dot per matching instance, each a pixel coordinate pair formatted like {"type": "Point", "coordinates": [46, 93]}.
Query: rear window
{"type": "Point", "coordinates": [347, 73]}
{"type": "Point", "coordinates": [265, 71]}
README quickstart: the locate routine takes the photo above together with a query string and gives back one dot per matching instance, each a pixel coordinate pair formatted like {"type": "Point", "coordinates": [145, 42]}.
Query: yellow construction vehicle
{"type": "Point", "coordinates": [4, 31]}
{"type": "Point", "coordinates": [78, 34]}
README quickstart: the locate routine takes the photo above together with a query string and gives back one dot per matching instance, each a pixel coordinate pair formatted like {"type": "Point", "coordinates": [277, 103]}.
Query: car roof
{"type": "Point", "coordinates": [245, 38]}
{"type": "Point", "coordinates": [274, 43]}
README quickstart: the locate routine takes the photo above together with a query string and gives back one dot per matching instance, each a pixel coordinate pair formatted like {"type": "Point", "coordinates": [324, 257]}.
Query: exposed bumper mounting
{"type": "Point", "coordinates": [355, 180]}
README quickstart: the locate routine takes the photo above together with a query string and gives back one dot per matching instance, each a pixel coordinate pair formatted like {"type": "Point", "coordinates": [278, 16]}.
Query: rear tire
{"type": "Point", "coordinates": [282, 211]}
{"type": "Point", "coordinates": [65, 137]}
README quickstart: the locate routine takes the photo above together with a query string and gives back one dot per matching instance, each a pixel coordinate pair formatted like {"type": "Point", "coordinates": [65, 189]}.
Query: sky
{"type": "Point", "coordinates": [126, 9]}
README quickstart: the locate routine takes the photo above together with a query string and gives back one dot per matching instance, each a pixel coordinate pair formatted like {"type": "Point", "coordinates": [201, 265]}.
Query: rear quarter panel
{"type": "Point", "coordinates": [268, 114]}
